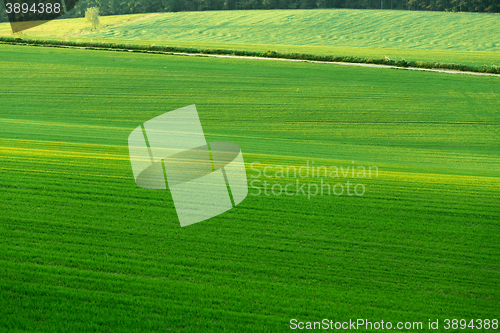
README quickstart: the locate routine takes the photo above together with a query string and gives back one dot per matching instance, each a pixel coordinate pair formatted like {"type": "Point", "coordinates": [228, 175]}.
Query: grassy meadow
{"type": "Point", "coordinates": [461, 38]}
{"type": "Point", "coordinates": [83, 249]}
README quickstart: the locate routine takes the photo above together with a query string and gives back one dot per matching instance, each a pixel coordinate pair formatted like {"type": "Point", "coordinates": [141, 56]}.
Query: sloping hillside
{"type": "Point", "coordinates": [427, 36]}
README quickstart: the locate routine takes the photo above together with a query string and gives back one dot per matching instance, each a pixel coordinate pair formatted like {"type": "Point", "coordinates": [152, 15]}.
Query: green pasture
{"type": "Point", "coordinates": [462, 38]}
{"type": "Point", "coordinates": [83, 249]}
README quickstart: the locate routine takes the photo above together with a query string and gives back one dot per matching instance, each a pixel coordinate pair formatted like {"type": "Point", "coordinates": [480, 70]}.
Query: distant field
{"type": "Point", "coordinates": [464, 38]}
{"type": "Point", "coordinates": [82, 248]}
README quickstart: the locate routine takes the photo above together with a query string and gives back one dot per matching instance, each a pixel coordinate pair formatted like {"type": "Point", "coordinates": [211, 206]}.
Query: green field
{"type": "Point", "coordinates": [82, 248]}
{"type": "Point", "coordinates": [463, 38]}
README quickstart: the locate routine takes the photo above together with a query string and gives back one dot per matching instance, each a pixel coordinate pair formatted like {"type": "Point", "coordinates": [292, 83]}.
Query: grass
{"type": "Point", "coordinates": [462, 38]}
{"type": "Point", "coordinates": [82, 248]}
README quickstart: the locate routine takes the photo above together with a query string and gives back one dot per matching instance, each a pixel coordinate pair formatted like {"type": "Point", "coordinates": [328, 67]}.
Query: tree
{"type": "Point", "coordinates": [92, 16]}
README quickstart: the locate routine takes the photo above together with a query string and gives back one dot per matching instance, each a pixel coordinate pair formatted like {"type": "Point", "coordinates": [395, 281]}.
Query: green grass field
{"type": "Point", "coordinates": [83, 249]}
{"type": "Point", "coordinates": [462, 38]}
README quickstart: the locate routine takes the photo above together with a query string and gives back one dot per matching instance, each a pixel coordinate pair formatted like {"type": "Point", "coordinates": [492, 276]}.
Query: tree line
{"type": "Point", "coordinates": [118, 7]}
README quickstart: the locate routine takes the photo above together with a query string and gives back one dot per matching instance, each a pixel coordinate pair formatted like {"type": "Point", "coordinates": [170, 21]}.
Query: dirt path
{"type": "Point", "coordinates": [449, 71]}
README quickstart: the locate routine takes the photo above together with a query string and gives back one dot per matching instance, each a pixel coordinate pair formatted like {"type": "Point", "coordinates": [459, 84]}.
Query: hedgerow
{"type": "Point", "coordinates": [269, 54]}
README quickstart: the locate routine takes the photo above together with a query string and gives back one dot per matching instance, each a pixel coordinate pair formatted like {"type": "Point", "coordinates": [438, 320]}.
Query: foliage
{"type": "Point", "coordinates": [150, 6]}
{"type": "Point", "coordinates": [92, 16]}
